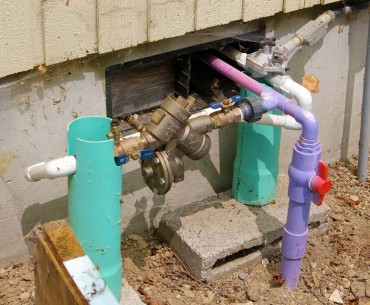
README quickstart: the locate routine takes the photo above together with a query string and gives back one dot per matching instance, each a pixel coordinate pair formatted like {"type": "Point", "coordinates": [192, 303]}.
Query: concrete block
{"type": "Point", "coordinates": [216, 12]}
{"type": "Point", "coordinates": [170, 18]}
{"type": "Point", "coordinates": [254, 9]}
{"type": "Point", "coordinates": [121, 24]}
{"type": "Point", "coordinates": [129, 295]}
{"type": "Point", "coordinates": [218, 235]}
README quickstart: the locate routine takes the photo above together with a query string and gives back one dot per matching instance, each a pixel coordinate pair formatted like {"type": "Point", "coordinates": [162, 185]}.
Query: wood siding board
{"type": "Point", "coordinates": [121, 24]}
{"type": "Point", "coordinates": [70, 31]}
{"type": "Point", "coordinates": [217, 12]}
{"type": "Point", "coordinates": [255, 9]}
{"type": "Point", "coordinates": [37, 32]}
{"type": "Point", "coordinates": [170, 18]}
{"type": "Point", "coordinates": [329, 1]}
{"type": "Point", "coordinates": [293, 5]}
{"type": "Point", "coordinates": [310, 3]}
{"type": "Point", "coordinates": [16, 46]}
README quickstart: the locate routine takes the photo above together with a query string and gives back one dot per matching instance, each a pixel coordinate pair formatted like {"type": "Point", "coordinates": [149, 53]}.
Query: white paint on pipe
{"type": "Point", "coordinates": [56, 168]}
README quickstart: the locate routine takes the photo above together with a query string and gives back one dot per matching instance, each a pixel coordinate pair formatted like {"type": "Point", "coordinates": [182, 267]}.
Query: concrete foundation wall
{"type": "Point", "coordinates": [35, 110]}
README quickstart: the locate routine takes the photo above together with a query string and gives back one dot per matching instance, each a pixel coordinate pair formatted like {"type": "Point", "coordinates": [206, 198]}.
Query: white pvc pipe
{"type": "Point", "coordinates": [285, 121]}
{"type": "Point", "coordinates": [56, 168]}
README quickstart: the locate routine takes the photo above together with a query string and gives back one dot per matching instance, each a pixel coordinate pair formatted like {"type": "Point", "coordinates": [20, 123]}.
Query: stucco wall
{"type": "Point", "coordinates": [35, 110]}
{"type": "Point", "coordinates": [48, 32]}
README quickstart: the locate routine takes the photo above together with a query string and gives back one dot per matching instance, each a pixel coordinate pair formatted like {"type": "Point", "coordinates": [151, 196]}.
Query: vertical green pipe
{"type": "Point", "coordinates": [256, 165]}
{"type": "Point", "coordinates": [94, 192]}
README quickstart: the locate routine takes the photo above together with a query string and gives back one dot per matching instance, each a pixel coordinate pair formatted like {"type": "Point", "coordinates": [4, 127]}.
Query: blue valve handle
{"type": "Point", "coordinates": [144, 155]}
{"type": "Point", "coordinates": [235, 99]}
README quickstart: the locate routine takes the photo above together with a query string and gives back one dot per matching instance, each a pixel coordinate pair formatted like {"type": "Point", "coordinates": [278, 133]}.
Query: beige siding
{"type": "Point", "coordinates": [328, 1]}
{"type": "Point", "coordinates": [33, 32]}
{"type": "Point", "coordinates": [37, 33]}
{"type": "Point", "coordinates": [70, 29]}
{"type": "Point", "coordinates": [121, 24]}
{"type": "Point", "coordinates": [170, 18]}
{"type": "Point", "coordinates": [254, 9]}
{"type": "Point", "coordinates": [16, 43]}
{"type": "Point", "coordinates": [216, 12]}
{"type": "Point", "coordinates": [293, 5]}
{"type": "Point", "coordinates": [309, 3]}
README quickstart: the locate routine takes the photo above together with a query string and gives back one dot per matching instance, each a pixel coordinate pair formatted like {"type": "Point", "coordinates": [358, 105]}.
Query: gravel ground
{"type": "Point", "coordinates": [337, 263]}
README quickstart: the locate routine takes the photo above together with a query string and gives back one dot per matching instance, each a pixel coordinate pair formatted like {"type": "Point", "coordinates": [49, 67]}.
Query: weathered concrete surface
{"type": "Point", "coordinates": [129, 295]}
{"type": "Point", "coordinates": [219, 234]}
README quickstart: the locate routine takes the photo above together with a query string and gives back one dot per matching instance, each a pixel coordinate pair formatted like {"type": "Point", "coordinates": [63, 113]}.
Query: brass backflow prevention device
{"type": "Point", "coordinates": [170, 135]}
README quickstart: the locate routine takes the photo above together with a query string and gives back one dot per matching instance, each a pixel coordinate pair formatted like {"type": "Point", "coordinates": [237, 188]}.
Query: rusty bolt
{"type": "Point", "coordinates": [162, 181]}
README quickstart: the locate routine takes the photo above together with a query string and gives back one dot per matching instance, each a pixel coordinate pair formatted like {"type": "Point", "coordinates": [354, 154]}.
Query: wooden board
{"type": "Point", "coordinates": [53, 283]}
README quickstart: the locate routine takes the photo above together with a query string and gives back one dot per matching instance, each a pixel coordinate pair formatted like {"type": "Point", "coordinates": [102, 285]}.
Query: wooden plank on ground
{"type": "Point", "coordinates": [121, 24]}
{"type": "Point", "coordinates": [53, 283]}
{"type": "Point", "coordinates": [70, 29]}
{"type": "Point", "coordinates": [216, 12]}
{"type": "Point", "coordinates": [15, 33]}
{"type": "Point", "coordinates": [329, 1]}
{"type": "Point", "coordinates": [170, 18]}
{"type": "Point", "coordinates": [255, 9]}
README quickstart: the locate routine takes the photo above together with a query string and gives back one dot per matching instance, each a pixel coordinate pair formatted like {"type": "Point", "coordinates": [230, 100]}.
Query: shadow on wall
{"type": "Point", "coordinates": [45, 212]}
{"type": "Point", "coordinates": [357, 49]}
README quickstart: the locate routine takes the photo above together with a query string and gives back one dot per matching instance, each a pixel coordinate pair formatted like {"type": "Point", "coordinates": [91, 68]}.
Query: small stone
{"type": "Point", "coordinates": [354, 198]}
{"type": "Point", "coordinates": [189, 293]}
{"type": "Point", "coordinates": [346, 283]}
{"type": "Point", "coordinates": [335, 297]}
{"type": "Point", "coordinates": [27, 277]}
{"type": "Point", "coordinates": [206, 300]}
{"type": "Point", "coordinates": [265, 262]}
{"type": "Point", "coordinates": [256, 290]}
{"type": "Point", "coordinates": [135, 237]}
{"type": "Point", "coordinates": [142, 244]}
{"type": "Point", "coordinates": [13, 282]}
{"type": "Point", "coordinates": [178, 296]}
{"type": "Point", "coordinates": [3, 273]}
{"type": "Point", "coordinates": [363, 276]}
{"type": "Point", "coordinates": [351, 273]}
{"type": "Point", "coordinates": [243, 276]}
{"type": "Point", "coordinates": [24, 296]}
{"type": "Point", "coordinates": [358, 289]}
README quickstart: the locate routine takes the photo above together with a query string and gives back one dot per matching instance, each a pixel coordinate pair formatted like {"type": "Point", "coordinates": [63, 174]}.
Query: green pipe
{"type": "Point", "coordinates": [256, 164]}
{"type": "Point", "coordinates": [94, 191]}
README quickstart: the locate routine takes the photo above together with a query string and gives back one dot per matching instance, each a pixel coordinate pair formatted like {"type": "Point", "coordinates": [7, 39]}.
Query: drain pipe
{"type": "Point", "coordinates": [365, 120]}
{"type": "Point", "coordinates": [308, 175]}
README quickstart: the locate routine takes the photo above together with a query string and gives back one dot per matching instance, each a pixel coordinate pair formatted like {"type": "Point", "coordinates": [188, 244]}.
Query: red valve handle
{"type": "Point", "coordinates": [320, 183]}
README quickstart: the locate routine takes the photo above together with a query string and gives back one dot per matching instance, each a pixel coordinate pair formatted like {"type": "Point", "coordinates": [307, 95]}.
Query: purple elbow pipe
{"type": "Point", "coordinates": [303, 169]}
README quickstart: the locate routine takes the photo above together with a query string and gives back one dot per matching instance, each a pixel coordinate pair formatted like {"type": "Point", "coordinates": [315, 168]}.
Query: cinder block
{"type": "Point", "coordinates": [254, 9]}
{"type": "Point", "coordinates": [218, 235]}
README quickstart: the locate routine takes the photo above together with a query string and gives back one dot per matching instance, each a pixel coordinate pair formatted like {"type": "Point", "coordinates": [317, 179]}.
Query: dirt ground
{"type": "Point", "coordinates": [337, 260]}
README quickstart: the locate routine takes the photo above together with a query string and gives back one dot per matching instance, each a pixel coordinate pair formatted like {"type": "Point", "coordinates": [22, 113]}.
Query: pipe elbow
{"type": "Point", "coordinates": [300, 93]}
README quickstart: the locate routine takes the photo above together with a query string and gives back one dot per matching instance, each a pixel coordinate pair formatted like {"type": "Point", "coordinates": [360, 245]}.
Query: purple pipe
{"type": "Point", "coordinates": [302, 170]}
